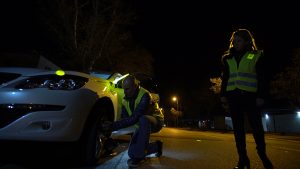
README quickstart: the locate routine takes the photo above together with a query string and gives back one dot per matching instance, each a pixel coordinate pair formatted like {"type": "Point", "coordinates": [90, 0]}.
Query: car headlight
{"type": "Point", "coordinates": [53, 82]}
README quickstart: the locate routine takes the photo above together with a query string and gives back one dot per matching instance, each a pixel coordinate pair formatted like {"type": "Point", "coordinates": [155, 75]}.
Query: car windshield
{"type": "Point", "coordinates": [103, 75]}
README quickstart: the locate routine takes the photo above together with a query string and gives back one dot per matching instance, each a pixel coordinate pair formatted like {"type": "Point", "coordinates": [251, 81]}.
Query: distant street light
{"type": "Point", "coordinates": [175, 99]}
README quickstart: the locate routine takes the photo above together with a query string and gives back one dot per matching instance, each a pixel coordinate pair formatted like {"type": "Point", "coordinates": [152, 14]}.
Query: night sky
{"type": "Point", "coordinates": [186, 38]}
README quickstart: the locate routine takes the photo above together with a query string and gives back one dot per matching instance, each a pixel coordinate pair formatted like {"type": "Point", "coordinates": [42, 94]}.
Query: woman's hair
{"type": "Point", "coordinates": [244, 34]}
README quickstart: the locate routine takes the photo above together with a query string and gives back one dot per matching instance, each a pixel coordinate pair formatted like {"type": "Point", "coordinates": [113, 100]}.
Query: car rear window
{"type": "Point", "coordinates": [6, 77]}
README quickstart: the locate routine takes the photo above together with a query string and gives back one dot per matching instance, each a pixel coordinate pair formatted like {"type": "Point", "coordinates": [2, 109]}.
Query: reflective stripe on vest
{"type": "Point", "coordinates": [243, 76]}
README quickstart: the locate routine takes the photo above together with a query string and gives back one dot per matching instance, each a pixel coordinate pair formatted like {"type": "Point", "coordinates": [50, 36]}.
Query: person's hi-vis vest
{"type": "Point", "coordinates": [153, 109]}
{"type": "Point", "coordinates": [243, 76]}
{"type": "Point", "coordinates": [125, 103]}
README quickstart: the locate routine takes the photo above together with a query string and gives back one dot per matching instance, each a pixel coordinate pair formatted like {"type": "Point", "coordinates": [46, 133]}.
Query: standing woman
{"type": "Point", "coordinates": [243, 90]}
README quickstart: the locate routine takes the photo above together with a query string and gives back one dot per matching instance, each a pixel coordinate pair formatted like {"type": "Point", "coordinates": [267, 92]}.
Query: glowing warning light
{"type": "Point", "coordinates": [60, 72]}
{"type": "Point", "coordinates": [198, 140]}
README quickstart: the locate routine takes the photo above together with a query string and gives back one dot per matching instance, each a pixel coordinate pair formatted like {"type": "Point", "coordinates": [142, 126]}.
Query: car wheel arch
{"type": "Point", "coordinates": [101, 111]}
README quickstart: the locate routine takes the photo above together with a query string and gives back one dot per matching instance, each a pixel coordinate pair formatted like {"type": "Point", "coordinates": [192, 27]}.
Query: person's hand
{"type": "Point", "coordinates": [224, 99]}
{"type": "Point", "coordinates": [107, 127]}
{"type": "Point", "coordinates": [224, 102]}
{"type": "Point", "coordinates": [260, 102]}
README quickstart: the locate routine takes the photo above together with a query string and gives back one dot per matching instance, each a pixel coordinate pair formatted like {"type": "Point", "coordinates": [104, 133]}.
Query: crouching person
{"type": "Point", "coordinates": [140, 111]}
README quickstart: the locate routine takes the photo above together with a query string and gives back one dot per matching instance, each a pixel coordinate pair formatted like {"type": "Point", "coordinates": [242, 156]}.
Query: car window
{"type": "Point", "coordinates": [147, 82]}
{"type": "Point", "coordinates": [150, 85]}
{"type": "Point", "coordinates": [102, 75]}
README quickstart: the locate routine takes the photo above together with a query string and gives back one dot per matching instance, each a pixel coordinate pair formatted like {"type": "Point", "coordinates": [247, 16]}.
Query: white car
{"type": "Point", "coordinates": [58, 106]}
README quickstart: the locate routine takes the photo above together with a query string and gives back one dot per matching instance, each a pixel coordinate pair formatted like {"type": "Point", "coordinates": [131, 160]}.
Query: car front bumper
{"type": "Point", "coordinates": [54, 116]}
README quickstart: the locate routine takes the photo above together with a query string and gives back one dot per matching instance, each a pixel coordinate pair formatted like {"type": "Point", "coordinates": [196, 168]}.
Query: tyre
{"type": "Point", "coordinates": [93, 141]}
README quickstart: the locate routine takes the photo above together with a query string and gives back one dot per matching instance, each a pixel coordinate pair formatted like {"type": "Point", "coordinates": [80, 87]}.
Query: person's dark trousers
{"type": "Point", "coordinates": [139, 145]}
{"type": "Point", "coordinates": [242, 103]}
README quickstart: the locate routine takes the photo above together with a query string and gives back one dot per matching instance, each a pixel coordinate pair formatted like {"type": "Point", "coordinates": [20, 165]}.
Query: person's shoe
{"type": "Point", "coordinates": [159, 148]}
{"type": "Point", "coordinates": [266, 161]}
{"type": "Point", "coordinates": [134, 162]}
{"type": "Point", "coordinates": [242, 164]}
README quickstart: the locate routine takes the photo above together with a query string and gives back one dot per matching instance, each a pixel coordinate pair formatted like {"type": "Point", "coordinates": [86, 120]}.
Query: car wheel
{"type": "Point", "coordinates": [99, 142]}
{"type": "Point", "coordinates": [93, 143]}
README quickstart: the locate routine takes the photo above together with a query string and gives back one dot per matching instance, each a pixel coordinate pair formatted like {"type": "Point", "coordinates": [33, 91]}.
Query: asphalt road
{"type": "Point", "coordinates": [187, 149]}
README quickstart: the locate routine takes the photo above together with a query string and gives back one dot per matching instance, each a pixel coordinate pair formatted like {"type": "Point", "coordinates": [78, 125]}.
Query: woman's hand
{"type": "Point", "coordinates": [260, 102]}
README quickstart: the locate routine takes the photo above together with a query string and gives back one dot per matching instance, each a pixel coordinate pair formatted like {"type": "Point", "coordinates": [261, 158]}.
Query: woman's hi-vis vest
{"type": "Point", "coordinates": [243, 76]}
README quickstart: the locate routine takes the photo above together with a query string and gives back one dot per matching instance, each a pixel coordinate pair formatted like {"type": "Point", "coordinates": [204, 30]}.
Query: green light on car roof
{"type": "Point", "coordinates": [60, 72]}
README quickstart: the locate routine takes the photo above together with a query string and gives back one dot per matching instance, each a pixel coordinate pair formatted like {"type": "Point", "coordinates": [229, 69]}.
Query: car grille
{"type": "Point", "coordinates": [11, 112]}
{"type": "Point", "coordinates": [6, 77]}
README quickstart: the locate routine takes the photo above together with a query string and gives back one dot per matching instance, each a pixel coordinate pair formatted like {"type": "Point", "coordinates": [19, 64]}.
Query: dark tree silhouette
{"type": "Point", "coordinates": [94, 34]}
{"type": "Point", "coordinates": [286, 84]}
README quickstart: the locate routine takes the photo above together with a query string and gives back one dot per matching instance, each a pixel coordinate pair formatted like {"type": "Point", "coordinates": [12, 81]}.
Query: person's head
{"type": "Point", "coordinates": [130, 86]}
{"type": "Point", "coordinates": [242, 40]}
